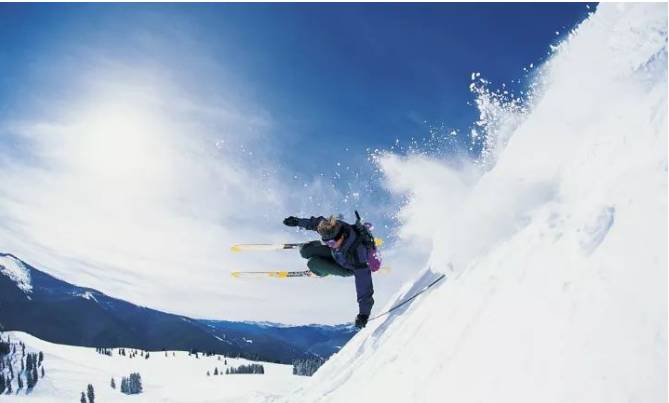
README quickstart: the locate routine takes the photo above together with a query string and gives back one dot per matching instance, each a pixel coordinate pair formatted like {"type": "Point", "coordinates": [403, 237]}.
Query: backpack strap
{"type": "Point", "coordinates": [363, 236]}
{"type": "Point", "coordinates": [353, 254]}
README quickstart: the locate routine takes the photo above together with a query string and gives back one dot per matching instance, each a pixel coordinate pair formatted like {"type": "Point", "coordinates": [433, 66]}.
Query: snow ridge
{"type": "Point", "coordinates": [17, 272]}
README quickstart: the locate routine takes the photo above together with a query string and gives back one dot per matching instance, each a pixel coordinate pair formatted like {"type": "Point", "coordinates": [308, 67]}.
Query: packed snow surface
{"type": "Point", "coordinates": [555, 251]}
{"type": "Point", "coordinates": [15, 270]}
{"type": "Point", "coordinates": [172, 376]}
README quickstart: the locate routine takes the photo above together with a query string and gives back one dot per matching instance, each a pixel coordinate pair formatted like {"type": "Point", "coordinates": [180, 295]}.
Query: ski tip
{"type": "Point", "coordinates": [235, 274]}
{"type": "Point", "coordinates": [378, 241]}
{"type": "Point", "coordinates": [235, 248]}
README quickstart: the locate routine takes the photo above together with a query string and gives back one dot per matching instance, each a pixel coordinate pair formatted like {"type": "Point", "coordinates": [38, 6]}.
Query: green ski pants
{"type": "Point", "coordinates": [320, 260]}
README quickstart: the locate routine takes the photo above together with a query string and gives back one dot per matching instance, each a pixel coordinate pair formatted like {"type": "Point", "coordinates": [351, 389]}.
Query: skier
{"type": "Point", "coordinates": [346, 250]}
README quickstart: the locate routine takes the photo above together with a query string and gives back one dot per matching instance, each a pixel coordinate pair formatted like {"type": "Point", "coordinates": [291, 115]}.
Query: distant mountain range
{"type": "Point", "coordinates": [54, 310]}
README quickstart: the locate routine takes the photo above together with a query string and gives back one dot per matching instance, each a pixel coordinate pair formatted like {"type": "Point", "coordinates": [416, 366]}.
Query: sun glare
{"type": "Point", "coordinates": [120, 141]}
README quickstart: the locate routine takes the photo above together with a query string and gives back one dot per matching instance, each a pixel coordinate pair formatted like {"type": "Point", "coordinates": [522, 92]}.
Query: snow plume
{"type": "Point", "coordinates": [500, 113]}
{"type": "Point", "coordinates": [559, 248]}
{"type": "Point", "coordinates": [578, 95]}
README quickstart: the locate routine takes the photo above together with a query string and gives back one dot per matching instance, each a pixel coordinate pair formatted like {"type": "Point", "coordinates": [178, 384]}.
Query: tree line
{"type": "Point", "coordinates": [20, 370]}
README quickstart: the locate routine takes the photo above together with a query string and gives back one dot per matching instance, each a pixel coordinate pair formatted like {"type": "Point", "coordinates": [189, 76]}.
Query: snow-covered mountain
{"type": "Point", "coordinates": [56, 311]}
{"type": "Point", "coordinates": [555, 255]}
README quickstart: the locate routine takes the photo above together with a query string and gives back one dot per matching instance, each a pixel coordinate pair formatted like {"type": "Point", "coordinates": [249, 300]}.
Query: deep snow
{"type": "Point", "coordinates": [175, 377]}
{"type": "Point", "coordinates": [555, 247]}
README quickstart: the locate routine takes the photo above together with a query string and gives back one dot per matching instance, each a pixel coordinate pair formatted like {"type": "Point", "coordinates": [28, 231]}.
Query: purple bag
{"type": "Point", "coordinates": [373, 260]}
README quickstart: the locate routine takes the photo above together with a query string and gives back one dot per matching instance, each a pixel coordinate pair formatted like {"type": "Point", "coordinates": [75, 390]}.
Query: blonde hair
{"type": "Point", "coordinates": [329, 228]}
{"type": "Point", "coordinates": [327, 225]}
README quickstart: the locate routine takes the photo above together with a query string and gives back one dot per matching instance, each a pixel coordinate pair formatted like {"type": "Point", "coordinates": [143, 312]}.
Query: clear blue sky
{"type": "Point", "coordinates": [339, 74]}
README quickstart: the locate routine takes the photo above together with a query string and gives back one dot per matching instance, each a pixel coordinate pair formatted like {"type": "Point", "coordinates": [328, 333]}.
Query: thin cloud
{"type": "Point", "coordinates": [138, 190]}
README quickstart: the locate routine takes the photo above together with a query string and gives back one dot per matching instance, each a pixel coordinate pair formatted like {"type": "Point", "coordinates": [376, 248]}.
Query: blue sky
{"type": "Point", "coordinates": [337, 74]}
{"type": "Point", "coordinates": [285, 99]}
{"type": "Point", "coordinates": [334, 77]}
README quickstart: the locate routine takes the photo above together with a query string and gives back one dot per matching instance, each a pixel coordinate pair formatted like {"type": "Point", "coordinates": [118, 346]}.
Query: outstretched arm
{"type": "Point", "coordinates": [306, 223]}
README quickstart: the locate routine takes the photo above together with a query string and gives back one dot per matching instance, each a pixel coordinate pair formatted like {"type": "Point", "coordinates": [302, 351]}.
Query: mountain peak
{"type": "Point", "coordinates": [14, 268]}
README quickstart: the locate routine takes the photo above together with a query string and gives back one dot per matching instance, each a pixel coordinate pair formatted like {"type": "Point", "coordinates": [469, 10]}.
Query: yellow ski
{"type": "Point", "coordinates": [286, 274]}
{"type": "Point", "coordinates": [247, 247]}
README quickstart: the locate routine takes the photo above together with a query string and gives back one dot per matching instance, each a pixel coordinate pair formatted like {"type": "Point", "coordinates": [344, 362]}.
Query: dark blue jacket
{"type": "Point", "coordinates": [343, 256]}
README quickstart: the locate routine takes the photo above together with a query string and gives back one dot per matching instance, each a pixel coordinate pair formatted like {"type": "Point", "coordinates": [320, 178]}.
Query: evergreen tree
{"type": "Point", "coordinates": [113, 384]}
{"type": "Point", "coordinates": [136, 382]}
{"type": "Point", "coordinates": [41, 358]}
{"type": "Point", "coordinates": [216, 371]}
{"type": "Point", "coordinates": [29, 380]}
{"type": "Point", "coordinates": [90, 393]}
{"type": "Point", "coordinates": [42, 372]}
{"type": "Point", "coordinates": [5, 347]}
{"type": "Point", "coordinates": [35, 376]}
{"type": "Point", "coordinates": [83, 398]}
{"type": "Point", "coordinates": [132, 384]}
{"type": "Point", "coordinates": [307, 367]}
{"type": "Point", "coordinates": [247, 369]}
{"type": "Point", "coordinates": [2, 383]}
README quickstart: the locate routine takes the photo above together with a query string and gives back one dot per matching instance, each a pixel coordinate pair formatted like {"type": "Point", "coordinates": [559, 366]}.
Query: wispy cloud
{"type": "Point", "coordinates": [137, 186]}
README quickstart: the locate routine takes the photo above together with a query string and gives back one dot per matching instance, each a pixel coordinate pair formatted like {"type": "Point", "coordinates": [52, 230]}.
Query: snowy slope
{"type": "Point", "coordinates": [556, 255]}
{"type": "Point", "coordinates": [16, 271]}
{"type": "Point", "coordinates": [178, 378]}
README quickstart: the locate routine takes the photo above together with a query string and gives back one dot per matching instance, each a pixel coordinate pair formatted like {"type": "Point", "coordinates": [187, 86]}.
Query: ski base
{"type": "Point", "coordinates": [287, 274]}
{"type": "Point", "coordinates": [246, 247]}
{"type": "Point", "coordinates": [272, 274]}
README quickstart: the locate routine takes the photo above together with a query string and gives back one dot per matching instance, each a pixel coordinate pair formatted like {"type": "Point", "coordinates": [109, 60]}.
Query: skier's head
{"type": "Point", "coordinates": [331, 231]}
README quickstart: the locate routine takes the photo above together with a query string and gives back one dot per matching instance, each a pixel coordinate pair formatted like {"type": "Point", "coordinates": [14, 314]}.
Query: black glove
{"type": "Point", "coordinates": [291, 221]}
{"type": "Point", "coordinates": [361, 320]}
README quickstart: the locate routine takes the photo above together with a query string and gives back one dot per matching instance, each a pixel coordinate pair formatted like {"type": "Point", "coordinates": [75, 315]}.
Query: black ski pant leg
{"type": "Point", "coordinates": [320, 260]}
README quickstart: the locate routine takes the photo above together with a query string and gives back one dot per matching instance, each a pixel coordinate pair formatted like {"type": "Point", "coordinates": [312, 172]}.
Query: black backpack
{"type": "Point", "coordinates": [365, 237]}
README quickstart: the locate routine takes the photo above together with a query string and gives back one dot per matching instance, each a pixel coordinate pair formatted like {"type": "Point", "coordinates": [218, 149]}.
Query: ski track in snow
{"type": "Point", "coordinates": [557, 255]}
{"type": "Point", "coordinates": [595, 233]}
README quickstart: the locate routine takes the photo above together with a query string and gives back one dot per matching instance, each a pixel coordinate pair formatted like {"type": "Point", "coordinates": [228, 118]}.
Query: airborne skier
{"type": "Point", "coordinates": [345, 250]}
